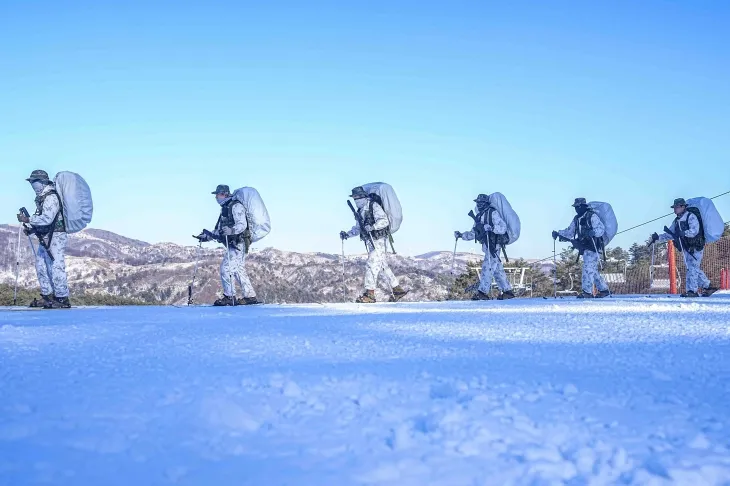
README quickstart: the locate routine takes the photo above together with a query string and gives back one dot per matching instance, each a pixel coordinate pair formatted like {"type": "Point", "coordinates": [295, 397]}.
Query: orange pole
{"type": "Point", "coordinates": [672, 268]}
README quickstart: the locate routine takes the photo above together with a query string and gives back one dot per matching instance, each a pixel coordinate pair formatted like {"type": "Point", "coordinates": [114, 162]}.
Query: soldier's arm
{"type": "Point", "coordinates": [568, 232]}
{"type": "Point", "coordinates": [381, 219]}
{"type": "Point", "coordinates": [500, 227]}
{"type": "Point", "coordinates": [598, 228]}
{"type": "Point", "coordinates": [51, 207]}
{"type": "Point", "coordinates": [664, 237]}
{"type": "Point", "coordinates": [239, 219]}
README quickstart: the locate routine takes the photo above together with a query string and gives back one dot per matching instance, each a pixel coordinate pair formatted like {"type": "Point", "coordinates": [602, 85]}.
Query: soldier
{"type": "Point", "coordinates": [687, 230]}
{"type": "Point", "coordinates": [374, 233]}
{"type": "Point", "coordinates": [232, 231]}
{"type": "Point", "coordinates": [586, 233]}
{"type": "Point", "coordinates": [48, 225]}
{"type": "Point", "coordinates": [491, 231]}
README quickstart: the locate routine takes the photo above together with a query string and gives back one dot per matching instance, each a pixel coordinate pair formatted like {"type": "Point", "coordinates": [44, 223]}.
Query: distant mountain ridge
{"type": "Point", "coordinates": [103, 262]}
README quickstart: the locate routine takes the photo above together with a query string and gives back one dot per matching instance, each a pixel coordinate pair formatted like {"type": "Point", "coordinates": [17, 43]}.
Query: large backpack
{"type": "Point", "coordinates": [385, 196]}
{"type": "Point", "coordinates": [711, 223]}
{"type": "Point", "coordinates": [257, 216]}
{"type": "Point", "coordinates": [503, 207]}
{"type": "Point", "coordinates": [605, 213]}
{"type": "Point", "coordinates": [76, 201]}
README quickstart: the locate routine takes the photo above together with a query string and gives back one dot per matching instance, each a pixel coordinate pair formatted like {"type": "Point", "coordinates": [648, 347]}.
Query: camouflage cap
{"type": "Point", "coordinates": [579, 201]}
{"type": "Point", "coordinates": [358, 193]}
{"type": "Point", "coordinates": [222, 189]}
{"type": "Point", "coordinates": [38, 175]}
{"type": "Point", "coordinates": [679, 202]}
{"type": "Point", "coordinates": [482, 198]}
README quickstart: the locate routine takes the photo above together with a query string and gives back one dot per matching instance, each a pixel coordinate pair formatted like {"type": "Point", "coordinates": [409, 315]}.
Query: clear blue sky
{"type": "Point", "coordinates": [157, 102]}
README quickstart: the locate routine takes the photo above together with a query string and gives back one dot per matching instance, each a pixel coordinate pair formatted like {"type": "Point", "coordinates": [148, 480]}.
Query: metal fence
{"type": "Point", "coordinates": [665, 271]}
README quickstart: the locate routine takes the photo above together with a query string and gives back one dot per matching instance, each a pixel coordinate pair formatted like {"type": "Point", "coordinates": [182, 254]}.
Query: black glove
{"type": "Point", "coordinates": [555, 235]}
{"type": "Point", "coordinates": [28, 231]}
{"type": "Point", "coordinates": [654, 238]}
{"type": "Point", "coordinates": [344, 235]}
{"type": "Point", "coordinates": [457, 234]}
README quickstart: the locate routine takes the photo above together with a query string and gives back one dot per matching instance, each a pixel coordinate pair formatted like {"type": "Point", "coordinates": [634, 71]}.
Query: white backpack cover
{"type": "Point", "coordinates": [503, 207]}
{"type": "Point", "coordinates": [257, 216]}
{"type": "Point", "coordinates": [711, 219]}
{"type": "Point", "coordinates": [391, 204]}
{"type": "Point", "coordinates": [78, 207]}
{"type": "Point", "coordinates": [605, 213]}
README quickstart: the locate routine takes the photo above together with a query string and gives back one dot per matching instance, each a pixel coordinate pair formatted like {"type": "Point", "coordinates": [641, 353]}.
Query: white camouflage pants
{"type": "Point", "coordinates": [591, 275]}
{"type": "Point", "coordinates": [378, 262]}
{"type": "Point", "coordinates": [696, 278]}
{"type": "Point", "coordinates": [493, 268]}
{"type": "Point", "coordinates": [52, 273]}
{"type": "Point", "coordinates": [237, 269]}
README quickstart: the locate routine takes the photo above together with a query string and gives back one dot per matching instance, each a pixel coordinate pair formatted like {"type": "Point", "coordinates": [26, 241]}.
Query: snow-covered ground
{"type": "Point", "coordinates": [528, 392]}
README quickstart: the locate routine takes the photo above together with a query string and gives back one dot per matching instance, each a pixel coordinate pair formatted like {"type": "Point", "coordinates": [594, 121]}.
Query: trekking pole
{"type": "Point", "coordinates": [195, 271]}
{"type": "Point", "coordinates": [17, 267]}
{"type": "Point", "coordinates": [453, 264]}
{"type": "Point", "coordinates": [230, 272]}
{"type": "Point", "coordinates": [651, 268]}
{"type": "Point", "coordinates": [344, 283]}
{"type": "Point", "coordinates": [555, 266]}
{"type": "Point", "coordinates": [489, 257]}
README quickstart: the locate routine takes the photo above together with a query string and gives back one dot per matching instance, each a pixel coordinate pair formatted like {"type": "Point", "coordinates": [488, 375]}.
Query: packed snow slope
{"type": "Point", "coordinates": [524, 392]}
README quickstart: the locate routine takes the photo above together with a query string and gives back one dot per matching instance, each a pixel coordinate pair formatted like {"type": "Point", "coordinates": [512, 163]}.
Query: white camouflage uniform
{"type": "Point", "coordinates": [591, 274]}
{"type": "Point", "coordinates": [696, 278]}
{"type": "Point", "coordinates": [51, 273]}
{"type": "Point", "coordinates": [236, 258]}
{"type": "Point", "coordinates": [377, 257]}
{"type": "Point", "coordinates": [492, 266]}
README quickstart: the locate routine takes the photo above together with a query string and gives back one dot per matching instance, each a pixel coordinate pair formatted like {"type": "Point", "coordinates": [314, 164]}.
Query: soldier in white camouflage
{"type": "Point", "coordinates": [490, 230]}
{"type": "Point", "coordinates": [586, 234]}
{"type": "Point", "coordinates": [375, 234]}
{"type": "Point", "coordinates": [232, 229]}
{"type": "Point", "coordinates": [688, 233]}
{"type": "Point", "coordinates": [48, 225]}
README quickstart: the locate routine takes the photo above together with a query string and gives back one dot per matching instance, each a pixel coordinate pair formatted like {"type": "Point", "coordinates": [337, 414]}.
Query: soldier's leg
{"type": "Point", "coordinates": [702, 279]}
{"type": "Point", "coordinates": [239, 266]}
{"type": "Point", "coordinates": [382, 248]}
{"type": "Point", "coordinates": [43, 271]}
{"type": "Point", "coordinates": [372, 268]}
{"type": "Point", "coordinates": [485, 281]}
{"type": "Point", "coordinates": [59, 278]}
{"type": "Point", "coordinates": [693, 270]}
{"type": "Point", "coordinates": [500, 276]}
{"type": "Point", "coordinates": [226, 281]}
{"type": "Point", "coordinates": [590, 271]}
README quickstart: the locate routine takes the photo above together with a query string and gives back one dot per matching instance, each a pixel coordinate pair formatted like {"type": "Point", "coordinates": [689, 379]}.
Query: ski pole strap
{"type": "Point", "coordinates": [504, 252]}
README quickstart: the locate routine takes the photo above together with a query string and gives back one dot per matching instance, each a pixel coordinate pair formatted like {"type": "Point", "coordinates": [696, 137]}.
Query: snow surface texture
{"type": "Point", "coordinates": [528, 392]}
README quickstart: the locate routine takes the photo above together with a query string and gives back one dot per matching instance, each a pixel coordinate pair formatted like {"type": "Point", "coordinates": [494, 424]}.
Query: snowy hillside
{"type": "Point", "coordinates": [104, 262]}
{"type": "Point", "coordinates": [528, 392]}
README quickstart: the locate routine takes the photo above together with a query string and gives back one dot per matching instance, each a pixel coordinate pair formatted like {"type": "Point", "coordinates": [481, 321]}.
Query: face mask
{"type": "Point", "coordinates": [222, 200]}
{"type": "Point", "coordinates": [37, 187]}
{"type": "Point", "coordinates": [360, 203]}
{"type": "Point", "coordinates": [581, 210]}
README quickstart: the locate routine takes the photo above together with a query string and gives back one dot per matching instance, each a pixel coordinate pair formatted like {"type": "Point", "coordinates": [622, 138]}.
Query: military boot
{"type": "Point", "coordinates": [58, 303]}
{"type": "Point", "coordinates": [367, 298]}
{"type": "Point", "coordinates": [479, 295]}
{"type": "Point", "coordinates": [45, 299]}
{"type": "Point", "coordinates": [398, 293]}
{"type": "Point", "coordinates": [506, 295]}
{"type": "Point", "coordinates": [224, 301]}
